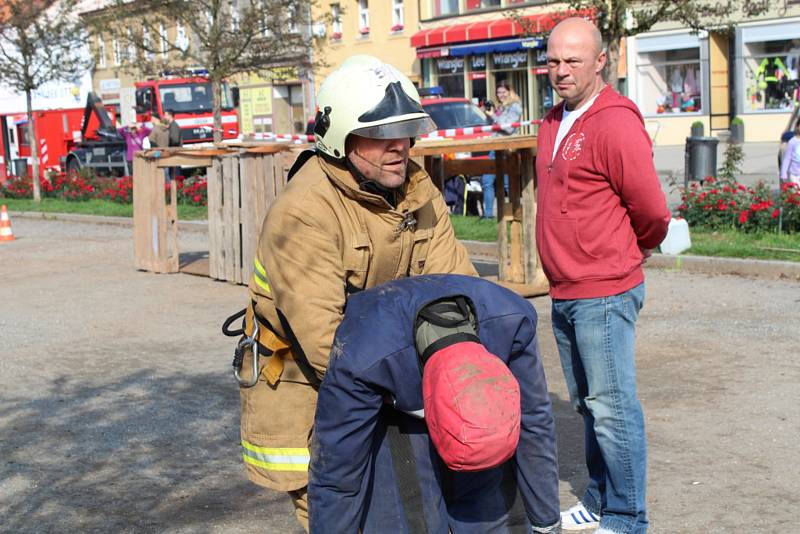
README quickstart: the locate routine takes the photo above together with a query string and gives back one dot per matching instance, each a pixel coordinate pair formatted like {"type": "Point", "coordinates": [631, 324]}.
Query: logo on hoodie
{"type": "Point", "coordinates": [572, 146]}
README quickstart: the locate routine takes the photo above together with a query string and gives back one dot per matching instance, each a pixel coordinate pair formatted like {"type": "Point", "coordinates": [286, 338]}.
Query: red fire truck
{"type": "Point", "coordinates": [58, 133]}
{"type": "Point", "coordinates": [189, 98]}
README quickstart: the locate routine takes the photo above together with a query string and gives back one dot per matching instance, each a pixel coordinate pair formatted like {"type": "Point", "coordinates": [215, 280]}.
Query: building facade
{"type": "Point", "coordinates": [749, 70]}
{"type": "Point", "coordinates": [382, 28]}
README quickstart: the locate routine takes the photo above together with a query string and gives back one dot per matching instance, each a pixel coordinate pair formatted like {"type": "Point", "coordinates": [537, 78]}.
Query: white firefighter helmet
{"type": "Point", "coordinates": [370, 98]}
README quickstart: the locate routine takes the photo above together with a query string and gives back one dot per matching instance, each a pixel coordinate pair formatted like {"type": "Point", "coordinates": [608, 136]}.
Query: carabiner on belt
{"type": "Point", "coordinates": [238, 357]}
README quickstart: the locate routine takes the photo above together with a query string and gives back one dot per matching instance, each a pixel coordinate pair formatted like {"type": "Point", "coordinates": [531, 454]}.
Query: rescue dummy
{"type": "Point", "coordinates": [434, 415]}
{"type": "Point", "coordinates": [356, 213]}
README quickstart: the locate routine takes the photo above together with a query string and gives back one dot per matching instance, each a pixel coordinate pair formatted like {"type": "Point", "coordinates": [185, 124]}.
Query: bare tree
{"type": "Point", "coordinates": [224, 37]}
{"type": "Point", "coordinates": [618, 19]}
{"type": "Point", "coordinates": [40, 41]}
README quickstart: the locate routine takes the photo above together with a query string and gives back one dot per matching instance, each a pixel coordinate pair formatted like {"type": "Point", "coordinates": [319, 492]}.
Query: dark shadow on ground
{"type": "Point", "coordinates": [151, 452]}
{"type": "Point", "coordinates": [569, 435]}
{"type": "Point", "coordinates": [186, 258]}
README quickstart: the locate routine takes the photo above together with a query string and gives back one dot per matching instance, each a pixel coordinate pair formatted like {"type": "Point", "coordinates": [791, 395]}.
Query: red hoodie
{"type": "Point", "coordinates": [598, 201]}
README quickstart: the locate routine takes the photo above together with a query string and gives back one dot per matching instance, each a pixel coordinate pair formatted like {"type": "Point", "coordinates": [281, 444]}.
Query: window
{"type": "Point", "coordinates": [189, 98]}
{"type": "Point", "coordinates": [181, 40]}
{"type": "Point", "coordinates": [147, 43]}
{"type": "Point", "coordinates": [101, 53]}
{"type": "Point", "coordinates": [771, 75]}
{"type": "Point", "coordinates": [162, 34]}
{"type": "Point", "coordinates": [473, 5]}
{"type": "Point", "coordinates": [444, 7]}
{"type": "Point", "coordinates": [117, 52]}
{"type": "Point", "coordinates": [234, 9]}
{"type": "Point", "coordinates": [450, 75]}
{"type": "Point", "coordinates": [397, 15]}
{"type": "Point", "coordinates": [336, 18]}
{"type": "Point", "coordinates": [670, 81]}
{"type": "Point", "coordinates": [363, 17]}
{"type": "Point", "coordinates": [130, 50]}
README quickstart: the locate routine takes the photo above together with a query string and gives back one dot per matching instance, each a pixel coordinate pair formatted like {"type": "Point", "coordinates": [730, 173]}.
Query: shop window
{"type": "Point", "coordinates": [472, 5]}
{"type": "Point", "coordinates": [771, 75]}
{"type": "Point", "coordinates": [450, 75]}
{"type": "Point", "coordinates": [363, 17]}
{"type": "Point", "coordinates": [444, 7]}
{"type": "Point", "coordinates": [670, 81]}
{"type": "Point", "coordinates": [296, 106]}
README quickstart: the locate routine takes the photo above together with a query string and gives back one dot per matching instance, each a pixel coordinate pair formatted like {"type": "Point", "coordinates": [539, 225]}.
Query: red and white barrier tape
{"type": "Point", "coordinates": [472, 130]}
{"type": "Point", "coordinates": [438, 134]}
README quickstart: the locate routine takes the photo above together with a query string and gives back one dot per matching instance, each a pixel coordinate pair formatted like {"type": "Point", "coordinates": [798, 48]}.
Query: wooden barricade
{"type": "Point", "coordinates": [243, 181]}
{"type": "Point", "coordinates": [154, 221]}
{"type": "Point", "coordinates": [518, 263]}
{"type": "Point", "coordinates": [241, 187]}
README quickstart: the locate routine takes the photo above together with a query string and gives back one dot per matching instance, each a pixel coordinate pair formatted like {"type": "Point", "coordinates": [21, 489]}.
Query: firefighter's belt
{"type": "Point", "coordinates": [257, 336]}
{"type": "Point", "coordinates": [276, 349]}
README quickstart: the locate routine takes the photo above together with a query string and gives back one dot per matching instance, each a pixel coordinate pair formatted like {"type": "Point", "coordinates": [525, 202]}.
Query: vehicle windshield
{"type": "Point", "coordinates": [192, 97]}
{"type": "Point", "coordinates": [455, 115]}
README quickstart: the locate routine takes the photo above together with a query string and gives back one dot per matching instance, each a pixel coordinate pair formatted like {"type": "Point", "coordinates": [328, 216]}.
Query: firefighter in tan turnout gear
{"type": "Point", "coordinates": [356, 213]}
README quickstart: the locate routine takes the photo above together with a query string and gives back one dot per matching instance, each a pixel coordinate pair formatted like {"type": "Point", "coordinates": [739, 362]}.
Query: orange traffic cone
{"type": "Point", "coordinates": [5, 225]}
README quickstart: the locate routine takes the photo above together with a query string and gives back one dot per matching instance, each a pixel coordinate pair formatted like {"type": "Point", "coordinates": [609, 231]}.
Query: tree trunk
{"type": "Point", "coordinates": [612, 63]}
{"type": "Point", "coordinates": [216, 106]}
{"type": "Point", "coordinates": [37, 194]}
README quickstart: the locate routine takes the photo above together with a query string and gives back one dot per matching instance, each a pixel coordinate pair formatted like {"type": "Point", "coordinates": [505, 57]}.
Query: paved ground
{"type": "Point", "coordinates": [118, 412]}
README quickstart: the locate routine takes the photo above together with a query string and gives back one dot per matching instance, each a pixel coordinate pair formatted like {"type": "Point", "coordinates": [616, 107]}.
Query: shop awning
{"type": "Point", "coordinates": [484, 30]}
{"type": "Point", "coordinates": [487, 47]}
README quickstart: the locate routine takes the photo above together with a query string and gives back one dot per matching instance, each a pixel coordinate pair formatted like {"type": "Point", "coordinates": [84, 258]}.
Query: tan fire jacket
{"type": "Point", "coordinates": [323, 239]}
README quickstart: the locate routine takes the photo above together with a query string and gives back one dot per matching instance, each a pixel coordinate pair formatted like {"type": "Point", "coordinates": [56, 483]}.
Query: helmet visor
{"type": "Point", "coordinates": [398, 130]}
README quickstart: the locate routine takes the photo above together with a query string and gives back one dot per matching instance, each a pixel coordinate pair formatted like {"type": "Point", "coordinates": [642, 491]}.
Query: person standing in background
{"type": "Point", "coordinates": [790, 164]}
{"type": "Point", "coordinates": [134, 135]}
{"type": "Point", "coordinates": [508, 111]}
{"type": "Point", "coordinates": [600, 210]}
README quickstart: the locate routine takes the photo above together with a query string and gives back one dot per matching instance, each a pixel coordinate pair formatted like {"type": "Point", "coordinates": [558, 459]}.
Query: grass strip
{"type": "Point", "coordinates": [94, 207]}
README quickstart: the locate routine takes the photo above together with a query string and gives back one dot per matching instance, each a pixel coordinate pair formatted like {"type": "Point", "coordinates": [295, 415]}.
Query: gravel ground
{"type": "Point", "coordinates": [118, 412]}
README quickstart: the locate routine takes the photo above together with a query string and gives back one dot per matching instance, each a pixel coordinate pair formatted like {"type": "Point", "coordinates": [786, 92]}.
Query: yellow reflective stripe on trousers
{"type": "Point", "coordinates": [276, 458]}
{"type": "Point", "coordinates": [260, 276]}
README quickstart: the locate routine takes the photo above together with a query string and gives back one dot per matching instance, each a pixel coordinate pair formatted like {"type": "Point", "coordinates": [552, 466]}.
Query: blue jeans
{"type": "Point", "coordinates": [596, 341]}
{"type": "Point", "coordinates": [487, 186]}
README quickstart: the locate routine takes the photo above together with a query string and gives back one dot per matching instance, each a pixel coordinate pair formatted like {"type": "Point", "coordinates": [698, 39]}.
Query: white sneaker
{"type": "Point", "coordinates": [579, 518]}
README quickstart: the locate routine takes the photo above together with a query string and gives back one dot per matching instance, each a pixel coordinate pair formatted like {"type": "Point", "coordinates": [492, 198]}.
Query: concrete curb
{"type": "Point", "coordinates": [487, 252]}
{"type": "Point", "coordinates": [183, 226]}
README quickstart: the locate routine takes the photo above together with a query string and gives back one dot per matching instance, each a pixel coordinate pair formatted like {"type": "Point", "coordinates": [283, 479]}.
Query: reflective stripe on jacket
{"type": "Point", "coordinates": [322, 239]}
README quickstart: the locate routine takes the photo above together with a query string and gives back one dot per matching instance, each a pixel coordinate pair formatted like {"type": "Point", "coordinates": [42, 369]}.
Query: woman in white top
{"type": "Point", "coordinates": [508, 111]}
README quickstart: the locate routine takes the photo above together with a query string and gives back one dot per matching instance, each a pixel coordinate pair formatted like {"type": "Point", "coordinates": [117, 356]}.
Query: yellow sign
{"type": "Point", "coordinates": [262, 100]}
{"type": "Point", "coordinates": [246, 110]}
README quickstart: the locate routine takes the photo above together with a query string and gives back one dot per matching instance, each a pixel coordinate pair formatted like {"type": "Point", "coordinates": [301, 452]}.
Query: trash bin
{"type": "Point", "coordinates": [21, 167]}
{"type": "Point", "coordinates": [701, 158]}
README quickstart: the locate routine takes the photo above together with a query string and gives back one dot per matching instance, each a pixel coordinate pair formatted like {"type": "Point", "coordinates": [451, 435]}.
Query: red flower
{"type": "Point", "coordinates": [722, 207]}
{"type": "Point", "coordinates": [743, 217]}
{"type": "Point", "coordinates": [197, 198]}
{"type": "Point", "coordinates": [715, 191]}
{"type": "Point", "coordinates": [710, 179]}
{"type": "Point", "coordinates": [732, 203]}
{"type": "Point", "coordinates": [775, 213]}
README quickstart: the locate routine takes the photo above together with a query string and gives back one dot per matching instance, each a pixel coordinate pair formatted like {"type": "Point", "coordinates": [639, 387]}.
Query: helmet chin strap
{"type": "Point", "coordinates": [371, 186]}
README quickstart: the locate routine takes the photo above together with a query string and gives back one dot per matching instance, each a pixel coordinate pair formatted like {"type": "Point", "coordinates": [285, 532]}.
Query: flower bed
{"type": "Point", "coordinates": [77, 187]}
{"type": "Point", "coordinates": [717, 205]}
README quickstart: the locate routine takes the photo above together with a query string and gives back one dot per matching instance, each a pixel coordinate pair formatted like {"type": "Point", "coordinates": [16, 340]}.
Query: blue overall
{"type": "Point", "coordinates": [373, 366]}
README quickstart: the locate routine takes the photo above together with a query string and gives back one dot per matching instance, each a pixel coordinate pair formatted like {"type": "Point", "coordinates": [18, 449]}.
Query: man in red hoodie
{"type": "Point", "coordinates": [600, 211]}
